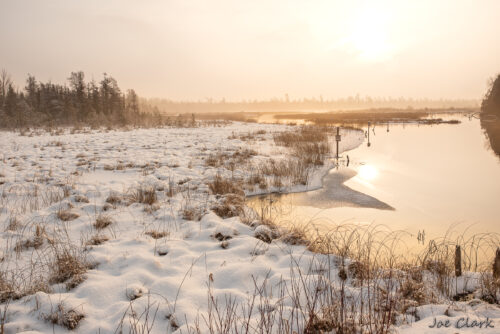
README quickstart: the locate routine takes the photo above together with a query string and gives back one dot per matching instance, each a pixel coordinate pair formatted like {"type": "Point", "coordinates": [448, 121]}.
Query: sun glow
{"type": "Point", "coordinates": [370, 35]}
{"type": "Point", "coordinates": [367, 172]}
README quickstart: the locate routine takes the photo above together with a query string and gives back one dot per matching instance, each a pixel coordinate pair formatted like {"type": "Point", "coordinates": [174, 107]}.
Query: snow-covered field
{"type": "Point", "coordinates": [169, 263]}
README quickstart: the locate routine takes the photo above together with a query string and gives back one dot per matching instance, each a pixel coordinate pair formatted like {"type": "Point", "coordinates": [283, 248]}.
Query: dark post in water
{"type": "Point", "coordinates": [496, 265]}
{"type": "Point", "coordinates": [337, 139]}
{"type": "Point", "coordinates": [458, 261]}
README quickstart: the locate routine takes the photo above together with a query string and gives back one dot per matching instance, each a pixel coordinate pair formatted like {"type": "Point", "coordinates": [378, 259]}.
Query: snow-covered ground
{"type": "Point", "coordinates": [173, 265]}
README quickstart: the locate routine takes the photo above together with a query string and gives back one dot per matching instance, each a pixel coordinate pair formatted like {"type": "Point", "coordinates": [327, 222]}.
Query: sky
{"type": "Point", "coordinates": [258, 49]}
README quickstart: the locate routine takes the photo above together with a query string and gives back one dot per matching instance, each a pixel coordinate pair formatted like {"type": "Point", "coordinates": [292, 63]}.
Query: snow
{"type": "Point", "coordinates": [133, 270]}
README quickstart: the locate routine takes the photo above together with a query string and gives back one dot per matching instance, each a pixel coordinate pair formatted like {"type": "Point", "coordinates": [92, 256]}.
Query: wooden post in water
{"type": "Point", "coordinates": [369, 144]}
{"type": "Point", "coordinates": [337, 139]}
{"type": "Point", "coordinates": [458, 261]}
{"type": "Point", "coordinates": [496, 265]}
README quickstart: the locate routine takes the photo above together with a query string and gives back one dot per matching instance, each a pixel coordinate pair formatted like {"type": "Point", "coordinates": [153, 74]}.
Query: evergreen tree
{"type": "Point", "coordinates": [60, 104]}
{"type": "Point", "coordinates": [491, 102]}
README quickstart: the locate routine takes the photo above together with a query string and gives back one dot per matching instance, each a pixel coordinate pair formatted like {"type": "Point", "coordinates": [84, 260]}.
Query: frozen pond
{"type": "Point", "coordinates": [421, 179]}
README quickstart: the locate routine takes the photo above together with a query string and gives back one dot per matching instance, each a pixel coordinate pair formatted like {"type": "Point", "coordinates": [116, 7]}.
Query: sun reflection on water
{"type": "Point", "coordinates": [367, 172]}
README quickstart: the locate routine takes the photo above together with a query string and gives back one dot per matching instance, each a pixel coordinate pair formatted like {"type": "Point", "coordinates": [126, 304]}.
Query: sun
{"type": "Point", "coordinates": [369, 37]}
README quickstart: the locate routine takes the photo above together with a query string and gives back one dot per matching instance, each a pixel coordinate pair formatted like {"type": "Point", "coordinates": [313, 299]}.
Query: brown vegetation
{"type": "Point", "coordinates": [221, 186]}
{"type": "Point", "coordinates": [143, 194]}
{"type": "Point", "coordinates": [66, 215]}
{"type": "Point", "coordinates": [102, 221]}
{"type": "Point", "coordinates": [157, 234]}
{"type": "Point", "coordinates": [66, 318]}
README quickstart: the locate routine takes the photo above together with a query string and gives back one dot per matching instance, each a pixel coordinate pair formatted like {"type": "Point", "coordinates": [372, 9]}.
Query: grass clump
{"type": "Point", "coordinates": [102, 221]}
{"type": "Point", "coordinates": [81, 199]}
{"type": "Point", "coordinates": [13, 223]}
{"type": "Point", "coordinates": [157, 234]}
{"type": "Point", "coordinates": [97, 240]}
{"type": "Point", "coordinates": [192, 213]}
{"type": "Point", "coordinates": [68, 267]}
{"type": "Point", "coordinates": [222, 186]}
{"type": "Point", "coordinates": [65, 318]}
{"type": "Point", "coordinates": [231, 205]}
{"type": "Point", "coordinates": [66, 215]}
{"type": "Point", "coordinates": [144, 195]}
{"type": "Point", "coordinates": [7, 290]}
{"type": "Point", "coordinates": [114, 198]}
{"type": "Point", "coordinates": [295, 236]}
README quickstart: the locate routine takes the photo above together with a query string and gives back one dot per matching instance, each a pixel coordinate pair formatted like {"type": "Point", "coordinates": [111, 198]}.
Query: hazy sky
{"type": "Point", "coordinates": [258, 49]}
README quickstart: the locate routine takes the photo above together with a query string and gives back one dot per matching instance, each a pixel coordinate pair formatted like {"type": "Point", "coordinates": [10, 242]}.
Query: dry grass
{"type": "Point", "coordinates": [192, 213]}
{"type": "Point", "coordinates": [35, 242]}
{"type": "Point", "coordinates": [295, 170]}
{"type": "Point", "coordinates": [230, 205]}
{"type": "Point", "coordinates": [68, 266]}
{"type": "Point", "coordinates": [102, 221]}
{"type": "Point", "coordinates": [228, 159]}
{"type": "Point", "coordinates": [114, 198]}
{"type": "Point", "coordinates": [222, 186]}
{"type": "Point", "coordinates": [96, 240]}
{"type": "Point", "coordinates": [295, 235]}
{"type": "Point", "coordinates": [66, 215]}
{"type": "Point", "coordinates": [309, 144]}
{"type": "Point", "coordinates": [157, 234]}
{"type": "Point", "coordinates": [216, 159]}
{"type": "Point", "coordinates": [65, 318]}
{"type": "Point", "coordinates": [143, 194]}
{"type": "Point", "coordinates": [306, 134]}
{"type": "Point", "coordinates": [7, 290]}
{"type": "Point", "coordinates": [13, 223]}
{"type": "Point", "coordinates": [265, 233]}
{"type": "Point", "coordinates": [81, 199]}
{"type": "Point", "coordinates": [257, 179]}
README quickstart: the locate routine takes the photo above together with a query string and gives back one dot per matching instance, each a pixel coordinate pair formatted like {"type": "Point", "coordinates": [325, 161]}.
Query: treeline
{"type": "Point", "coordinates": [306, 104]}
{"type": "Point", "coordinates": [78, 103]}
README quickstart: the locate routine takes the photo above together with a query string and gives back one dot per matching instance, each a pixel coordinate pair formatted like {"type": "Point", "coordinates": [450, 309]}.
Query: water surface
{"type": "Point", "coordinates": [415, 178]}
